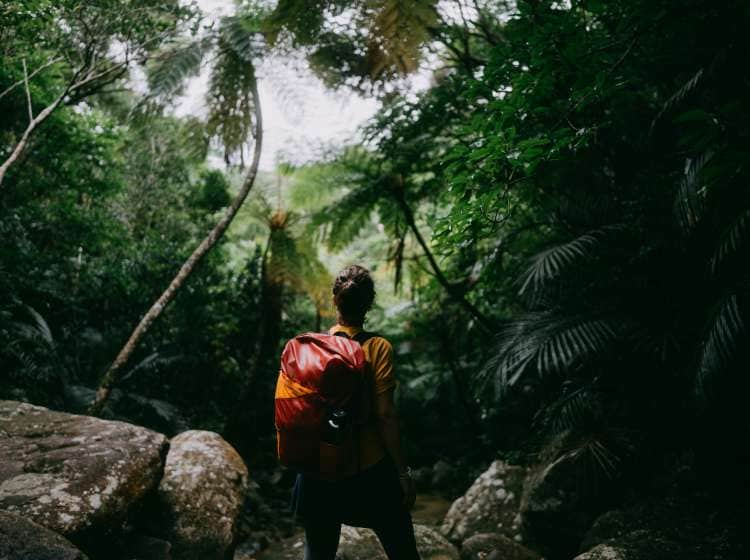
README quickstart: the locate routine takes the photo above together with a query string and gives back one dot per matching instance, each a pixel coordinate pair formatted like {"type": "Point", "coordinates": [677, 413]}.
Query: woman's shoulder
{"type": "Point", "coordinates": [374, 337]}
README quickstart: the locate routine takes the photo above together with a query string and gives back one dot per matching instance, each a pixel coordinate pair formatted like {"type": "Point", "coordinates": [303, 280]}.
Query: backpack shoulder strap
{"type": "Point", "coordinates": [364, 336]}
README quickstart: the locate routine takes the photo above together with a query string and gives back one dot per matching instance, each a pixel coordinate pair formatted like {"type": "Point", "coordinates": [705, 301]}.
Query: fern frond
{"type": "Point", "coordinates": [345, 218]}
{"type": "Point", "coordinates": [399, 28]}
{"type": "Point", "coordinates": [168, 71]}
{"type": "Point", "coordinates": [230, 101]}
{"type": "Point", "coordinates": [733, 238]}
{"type": "Point", "coordinates": [194, 139]}
{"type": "Point", "coordinates": [241, 33]}
{"type": "Point", "coordinates": [315, 186]}
{"type": "Point", "coordinates": [691, 195]}
{"type": "Point", "coordinates": [720, 346]}
{"type": "Point", "coordinates": [304, 18]}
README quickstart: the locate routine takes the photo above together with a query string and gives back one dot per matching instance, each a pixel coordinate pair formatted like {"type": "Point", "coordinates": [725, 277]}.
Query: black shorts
{"type": "Point", "coordinates": [359, 501]}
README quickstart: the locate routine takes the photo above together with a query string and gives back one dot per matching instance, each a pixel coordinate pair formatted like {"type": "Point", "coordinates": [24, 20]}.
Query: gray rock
{"type": "Point", "coordinates": [21, 539]}
{"type": "Point", "coordinates": [638, 545]}
{"type": "Point", "coordinates": [73, 473]}
{"type": "Point", "coordinates": [481, 546]}
{"type": "Point", "coordinates": [603, 552]}
{"type": "Point", "coordinates": [668, 528]}
{"type": "Point", "coordinates": [443, 475]}
{"type": "Point", "coordinates": [363, 544]}
{"type": "Point", "coordinates": [562, 497]}
{"type": "Point", "coordinates": [201, 495]}
{"type": "Point", "coordinates": [291, 548]}
{"type": "Point", "coordinates": [491, 505]}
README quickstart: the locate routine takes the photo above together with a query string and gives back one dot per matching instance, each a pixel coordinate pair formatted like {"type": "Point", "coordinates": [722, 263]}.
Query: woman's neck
{"type": "Point", "coordinates": [344, 323]}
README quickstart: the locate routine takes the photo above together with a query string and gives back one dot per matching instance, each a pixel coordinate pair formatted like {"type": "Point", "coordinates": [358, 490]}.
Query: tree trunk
{"type": "Point", "coordinates": [111, 377]}
{"type": "Point", "coordinates": [458, 297]}
{"type": "Point", "coordinates": [241, 428]}
{"type": "Point", "coordinates": [33, 124]}
{"type": "Point", "coordinates": [90, 76]}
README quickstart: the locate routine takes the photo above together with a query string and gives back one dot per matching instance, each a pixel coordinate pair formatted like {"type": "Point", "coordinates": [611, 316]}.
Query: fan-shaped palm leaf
{"type": "Point", "coordinates": [550, 342]}
{"type": "Point", "coordinates": [594, 457]}
{"type": "Point", "coordinates": [571, 411]}
{"type": "Point", "coordinates": [550, 263]}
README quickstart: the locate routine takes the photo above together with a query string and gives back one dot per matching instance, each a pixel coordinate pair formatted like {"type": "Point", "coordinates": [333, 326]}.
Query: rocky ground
{"type": "Point", "coordinates": [74, 487]}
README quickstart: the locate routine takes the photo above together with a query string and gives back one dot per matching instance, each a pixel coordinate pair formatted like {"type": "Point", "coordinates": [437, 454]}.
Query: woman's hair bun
{"type": "Point", "coordinates": [353, 293]}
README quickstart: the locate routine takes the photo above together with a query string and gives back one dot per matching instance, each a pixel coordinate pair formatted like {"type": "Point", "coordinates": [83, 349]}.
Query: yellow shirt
{"type": "Point", "coordinates": [379, 354]}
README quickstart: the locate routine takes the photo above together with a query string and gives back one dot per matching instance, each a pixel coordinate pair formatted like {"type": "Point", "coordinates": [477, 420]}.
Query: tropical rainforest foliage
{"type": "Point", "coordinates": [558, 221]}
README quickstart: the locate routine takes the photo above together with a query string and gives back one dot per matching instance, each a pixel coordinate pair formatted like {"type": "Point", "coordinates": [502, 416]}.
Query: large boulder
{"type": "Point", "coordinates": [491, 505]}
{"type": "Point", "coordinates": [76, 475]}
{"type": "Point", "coordinates": [484, 545]}
{"type": "Point", "coordinates": [562, 497]}
{"type": "Point", "coordinates": [667, 527]}
{"type": "Point", "coordinates": [201, 495]}
{"type": "Point", "coordinates": [21, 539]}
{"type": "Point", "coordinates": [639, 545]}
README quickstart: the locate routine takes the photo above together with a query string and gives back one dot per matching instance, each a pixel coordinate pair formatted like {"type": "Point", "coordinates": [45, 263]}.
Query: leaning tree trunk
{"type": "Point", "coordinates": [452, 291]}
{"type": "Point", "coordinates": [111, 377]}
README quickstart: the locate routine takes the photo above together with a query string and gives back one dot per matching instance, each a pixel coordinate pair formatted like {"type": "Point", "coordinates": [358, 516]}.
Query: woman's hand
{"type": "Point", "coordinates": [409, 490]}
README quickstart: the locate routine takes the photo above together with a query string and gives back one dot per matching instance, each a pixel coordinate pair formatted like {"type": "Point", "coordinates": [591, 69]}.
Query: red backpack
{"type": "Point", "coordinates": [322, 399]}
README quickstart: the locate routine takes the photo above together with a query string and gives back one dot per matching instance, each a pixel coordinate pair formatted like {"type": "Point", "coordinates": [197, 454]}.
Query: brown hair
{"type": "Point", "coordinates": [353, 293]}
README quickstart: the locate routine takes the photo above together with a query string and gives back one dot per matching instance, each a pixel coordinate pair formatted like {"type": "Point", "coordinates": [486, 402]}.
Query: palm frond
{"type": "Point", "coordinates": [678, 96]}
{"type": "Point", "coordinates": [720, 346]}
{"type": "Point", "coordinates": [733, 238]}
{"type": "Point", "coordinates": [595, 458]}
{"type": "Point", "coordinates": [37, 332]}
{"type": "Point", "coordinates": [690, 202]}
{"type": "Point", "coordinates": [551, 263]}
{"type": "Point", "coordinates": [547, 343]}
{"type": "Point", "coordinates": [571, 411]}
{"type": "Point", "coordinates": [150, 363]}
